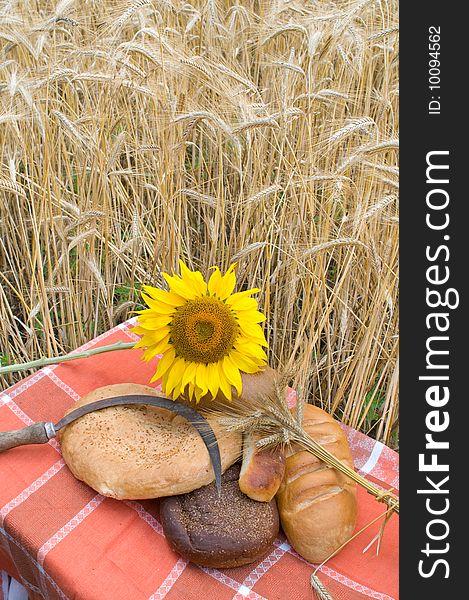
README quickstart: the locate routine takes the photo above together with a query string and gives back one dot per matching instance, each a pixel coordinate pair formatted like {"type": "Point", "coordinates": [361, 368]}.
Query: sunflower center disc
{"type": "Point", "coordinates": [203, 330]}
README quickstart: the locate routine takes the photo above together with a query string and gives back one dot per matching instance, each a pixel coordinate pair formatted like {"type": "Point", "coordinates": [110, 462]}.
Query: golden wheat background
{"type": "Point", "coordinates": [262, 132]}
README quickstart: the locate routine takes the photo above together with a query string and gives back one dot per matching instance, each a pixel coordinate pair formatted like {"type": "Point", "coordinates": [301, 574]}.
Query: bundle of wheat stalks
{"type": "Point", "coordinates": [270, 417]}
{"type": "Point", "coordinates": [132, 134]}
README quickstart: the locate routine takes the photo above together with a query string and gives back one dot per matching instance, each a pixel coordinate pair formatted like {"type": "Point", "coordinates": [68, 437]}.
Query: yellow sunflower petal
{"type": "Point", "coordinates": [163, 296]}
{"type": "Point", "coordinates": [141, 344]}
{"type": "Point", "coordinates": [201, 378]}
{"type": "Point", "coordinates": [234, 298]}
{"type": "Point", "coordinates": [213, 379]}
{"type": "Point", "coordinates": [158, 307]}
{"type": "Point", "coordinates": [179, 287]}
{"type": "Point", "coordinates": [253, 316]}
{"type": "Point", "coordinates": [258, 342]}
{"type": "Point", "coordinates": [151, 338]}
{"type": "Point", "coordinates": [155, 350]}
{"type": "Point", "coordinates": [232, 374]}
{"type": "Point", "coordinates": [175, 375]}
{"type": "Point", "coordinates": [246, 303]}
{"type": "Point", "coordinates": [227, 283]}
{"type": "Point", "coordinates": [153, 321]}
{"type": "Point", "coordinates": [199, 393]}
{"type": "Point", "coordinates": [251, 349]}
{"type": "Point", "coordinates": [243, 362]}
{"type": "Point", "coordinates": [178, 391]}
{"type": "Point", "coordinates": [165, 362]}
{"type": "Point", "coordinates": [158, 348]}
{"type": "Point", "coordinates": [225, 387]}
{"type": "Point", "coordinates": [189, 374]}
{"type": "Point", "coordinates": [191, 390]}
{"type": "Point", "coordinates": [139, 330]}
{"type": "Point", "coordinates": [193, 278]}
{"type": "Point", "coordinates": [253, 330]}
{"type": "Point", "coordinates": [214, 282]}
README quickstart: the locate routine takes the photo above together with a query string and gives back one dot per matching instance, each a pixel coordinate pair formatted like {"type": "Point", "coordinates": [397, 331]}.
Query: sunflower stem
{"type": "Point", "coordinates": [42, 362]}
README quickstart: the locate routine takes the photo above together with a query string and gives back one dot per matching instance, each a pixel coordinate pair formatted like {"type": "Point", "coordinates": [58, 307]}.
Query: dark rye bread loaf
{"type": "Point", "coordinates": [229, 531]}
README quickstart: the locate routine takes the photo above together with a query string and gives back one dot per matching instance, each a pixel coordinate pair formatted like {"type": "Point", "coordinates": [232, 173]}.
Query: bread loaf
{"type": "Point", "coordinates": [262, 470]}
{"type": "Point", "coordinates": [140, 451]}
{"type": "Point", "coordinates": [255, 387]}
{"type": "Point", "coordinates": [317, 503]}
{"type": "Point", "coordinates": [222, 532]}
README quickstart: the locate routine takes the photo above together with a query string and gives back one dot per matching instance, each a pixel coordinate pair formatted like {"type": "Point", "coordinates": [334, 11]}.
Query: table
{"type": "Point", "coordinates": [61, 540]}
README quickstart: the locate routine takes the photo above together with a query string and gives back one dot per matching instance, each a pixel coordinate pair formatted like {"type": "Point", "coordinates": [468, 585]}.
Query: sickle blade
{"type": "Point", "coordinates": [196, 419]}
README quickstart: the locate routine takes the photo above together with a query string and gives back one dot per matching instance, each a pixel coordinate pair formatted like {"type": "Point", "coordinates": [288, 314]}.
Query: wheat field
{"type": "Point", "coordinates": [262, 132]}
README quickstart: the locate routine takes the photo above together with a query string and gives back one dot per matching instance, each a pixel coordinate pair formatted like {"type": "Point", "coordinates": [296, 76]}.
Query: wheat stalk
{"type": "Point", "coordinates": [324, 95]}
{"type": "Point", "coordinates": [290, 66]}
{"type": "Point", "coordinates": [332, 244]}
{"type": "Point", "coordinates": [71, 128]}
{"type": "Point", "coordinates": [271, 417]}
{"type": "Point", "coordinates": [248, 249]}
{"type": "Point", "coordinates": [320, 588]}
{"type": "Point", "coordinates": [129, 12]}
{"type": "Point", "coordinates": [191, 62]}
{"type": "Point", "coordinates": [202, 114]}
{"type": "Point", "coordinates": [144, 51]}
{"type": "Point", "coordinates": [360, 125]}
{"type": "Point", "coordinates": [377, 35]}
{"type": "Point", "coordinates": [375, 209]}
{"type": "Point", "coordinates": [261, 122]}
{"type": "Point", "coordinates": [12, 187]}
{"type": "Point", "coordinates": [384, 145]}
{"type": "Point", "coordinates": [142, 133]}
{"type": "Point", "coordinates": [256, 198]}
{"type": "Point", "coordinates": [204, 198]}
{"type": "Point", "coordinates": [290, 27]}
{"type": "Point", "coordinates": [227, 71]}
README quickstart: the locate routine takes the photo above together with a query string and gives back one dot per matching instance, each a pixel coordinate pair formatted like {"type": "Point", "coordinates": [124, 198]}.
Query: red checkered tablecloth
{"type": "Point", "coordinates": [62, 540]}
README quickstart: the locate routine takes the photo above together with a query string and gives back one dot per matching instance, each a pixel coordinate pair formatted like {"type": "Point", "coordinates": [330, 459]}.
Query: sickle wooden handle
{"type": "Point", "coordinates": [33, 434]}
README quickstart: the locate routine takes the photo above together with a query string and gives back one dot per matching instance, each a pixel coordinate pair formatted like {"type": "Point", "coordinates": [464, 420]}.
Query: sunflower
{"type": "Point", "coordinates": [205, 333]}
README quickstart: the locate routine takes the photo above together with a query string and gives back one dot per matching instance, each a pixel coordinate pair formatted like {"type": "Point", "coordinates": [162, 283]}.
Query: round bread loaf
{"type": "Point", "coordinates": [255, 387]}
{"type": "Point", "coordinates": [224, 532]}
{"type": "Point", "coordinates": [137, 452]}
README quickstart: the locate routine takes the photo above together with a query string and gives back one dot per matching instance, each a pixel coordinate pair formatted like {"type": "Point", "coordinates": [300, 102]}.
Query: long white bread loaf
{"type": "Point", "coordinates": [317, 503]}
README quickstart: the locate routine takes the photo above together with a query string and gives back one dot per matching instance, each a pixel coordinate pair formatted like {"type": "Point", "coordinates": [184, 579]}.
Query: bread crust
{"type": "Point", "coordinates": [262, 470]}
{"type": "Point", "coordinates": [317, 503]}
{"type": "Point", "coordinates": [220, 532]}
{"type": "Point", "coordinates": [138, 452]}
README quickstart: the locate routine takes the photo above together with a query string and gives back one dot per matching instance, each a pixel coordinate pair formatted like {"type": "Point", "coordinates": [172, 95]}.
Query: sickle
{"type": "Point", "coordinates": [42, 432]}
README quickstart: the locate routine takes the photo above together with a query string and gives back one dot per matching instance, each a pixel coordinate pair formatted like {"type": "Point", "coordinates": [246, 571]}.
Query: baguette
{"type": "Point", "coordinates": [317, 503]}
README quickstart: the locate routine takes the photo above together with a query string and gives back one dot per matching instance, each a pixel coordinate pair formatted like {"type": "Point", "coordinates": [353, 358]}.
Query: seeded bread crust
{"type": "Point", "coordinates": [220, 532]}
{"type": "Point", "coordinates": [138, 452]}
